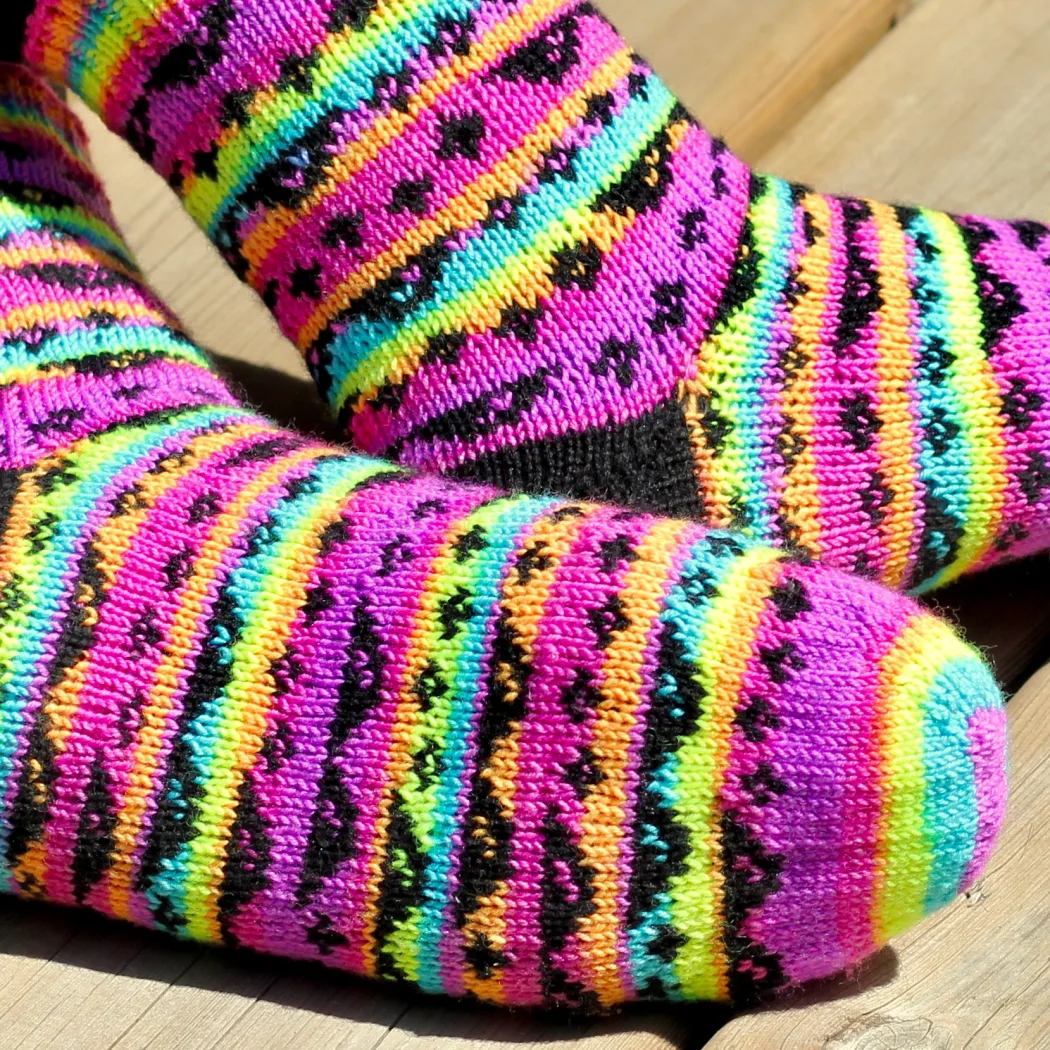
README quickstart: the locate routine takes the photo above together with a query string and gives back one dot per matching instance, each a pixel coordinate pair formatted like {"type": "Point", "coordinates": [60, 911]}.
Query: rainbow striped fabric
{"type": "Point", "coordinates": [259, 691]}
{"type": "Point", "coordinates": [507, 251]}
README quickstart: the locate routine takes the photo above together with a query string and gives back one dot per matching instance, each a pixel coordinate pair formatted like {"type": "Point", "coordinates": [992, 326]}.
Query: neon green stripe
{"type": "Point", "coordinates": [697, 900]}
{"type": "Point", "coordinates": [905, 851]}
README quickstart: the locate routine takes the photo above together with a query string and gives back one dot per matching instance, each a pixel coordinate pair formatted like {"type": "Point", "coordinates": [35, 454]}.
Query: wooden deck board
{"type": "Point", "coordinates": [949, 108]}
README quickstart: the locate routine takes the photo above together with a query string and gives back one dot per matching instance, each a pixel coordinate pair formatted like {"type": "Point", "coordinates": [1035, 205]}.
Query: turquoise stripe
{"type": "Point", "coordinates": [394, 47]}
{"type": "Point", "coordinates": [38, 616]}
{"type": "Point", "coordinates": [73, 220]}
{"type": "Point", "coordinates": [597, 166]}
{"type": "Point", "coordinates": [964, 686]}
{"type": "Point", "coordinates": [78, 344]}
{"type": "Point", "coordinates": [330, 479]}
{"type": "Point", "coordinates": [942, 475]}
{"type": "Point", "coordinates": [749, 338]}
{"type": "Point", "coordinates": [468, 685]}
{"type": "Point", "coordinates": [687, 611]}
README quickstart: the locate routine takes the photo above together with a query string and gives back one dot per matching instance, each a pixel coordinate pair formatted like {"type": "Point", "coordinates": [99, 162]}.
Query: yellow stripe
{"type": "Point", "coordinates": [244, 722]}
{"type": "Point", "coordinates": [131, 27]}
{"type": "Point", "coordinates": [973, 378]}
{"type": "Point", "coordinates": [897, 439]}
{"type": "Point", "coordinates": [524, 603]}
{"type": "Point", "coordinates": [403, 734]}
{"type": "Point", "coordinates": [903, 851]}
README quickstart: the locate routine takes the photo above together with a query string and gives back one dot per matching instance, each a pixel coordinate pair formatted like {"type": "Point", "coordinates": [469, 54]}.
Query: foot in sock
{"type": "Point", "coordinates": [259, 690]}
{"type": "Point", "coordinates": [507, 252]}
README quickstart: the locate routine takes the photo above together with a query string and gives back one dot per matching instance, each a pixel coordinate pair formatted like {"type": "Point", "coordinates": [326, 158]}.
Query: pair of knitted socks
{"type": "Point", "coordinates": [261, 690]}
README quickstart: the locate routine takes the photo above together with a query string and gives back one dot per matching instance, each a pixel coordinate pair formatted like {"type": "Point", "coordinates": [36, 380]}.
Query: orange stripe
{"type": "Point", "coordinates": [694, 399]}
{"type": "Point", "coordinates": [643, 594]}
{"type": "Point", "coordinates": [73, 310]}
{"type": "Point", "coordinates": [60, 33]}
{"type": "Point", "coordinates": [524, 603]}
{"type": "Point", "coordinates": [66, 250]}
{"type": "Point", "coordinates": [281, 609]}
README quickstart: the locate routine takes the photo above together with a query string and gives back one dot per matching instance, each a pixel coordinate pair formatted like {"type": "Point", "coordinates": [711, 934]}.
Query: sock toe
{"type": "Point", "coordinates": [883, 795]}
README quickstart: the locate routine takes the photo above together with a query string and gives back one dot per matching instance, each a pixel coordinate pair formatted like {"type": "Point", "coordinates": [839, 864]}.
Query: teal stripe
{"type": "Point", "coordinates": [469, 685]}
{"type": "Point", "coordinates": [943, 476]}
{"type": "Point", "coordinates": [597, 167]}
{"type": "Point", "coordinates": [964, 686]}
{"type": "Point", "coordinates": [76, 345]}
{"type": "Point", "coordinates": [687, 611]}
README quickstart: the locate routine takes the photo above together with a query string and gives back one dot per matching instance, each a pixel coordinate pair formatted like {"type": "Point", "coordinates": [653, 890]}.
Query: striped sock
{"type": "Point", "coordinates": [506, 251]}
{"type": "Point", "coordinates": [259, 690]}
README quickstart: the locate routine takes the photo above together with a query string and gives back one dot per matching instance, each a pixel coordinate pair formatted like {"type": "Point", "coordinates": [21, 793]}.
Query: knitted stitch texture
{"type": "Point", "coordinates": [258, 690]}
{"type": "Point", "coordinates": [507, 251]}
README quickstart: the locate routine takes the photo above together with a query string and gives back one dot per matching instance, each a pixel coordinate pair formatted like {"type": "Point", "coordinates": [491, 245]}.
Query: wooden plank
{"type": "Point", "coordinates": [751, 70]}
{"type": "Point", "coordinates": [950, 111]}
{"type": "Point", "coordinates": [73, 981]}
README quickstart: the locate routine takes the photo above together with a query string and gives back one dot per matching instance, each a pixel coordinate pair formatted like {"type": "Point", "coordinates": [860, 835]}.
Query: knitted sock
{"type": "Point", "coordinates": [506, 251]}
{"type": "Point", "coordinates": [258, 690]}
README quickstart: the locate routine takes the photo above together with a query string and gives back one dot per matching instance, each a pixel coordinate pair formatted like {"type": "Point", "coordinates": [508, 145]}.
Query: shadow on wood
{"type": "Point", "coordinates": [82, 941]}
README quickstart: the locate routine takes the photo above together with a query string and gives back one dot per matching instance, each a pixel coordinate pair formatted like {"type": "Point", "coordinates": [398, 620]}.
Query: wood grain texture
{"type": "Point", "coordinates": [750, 69]}
{"type": "Point", "coordinates": [949, 108]}
{"type": "Point", "coordinates": [951, 111]}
